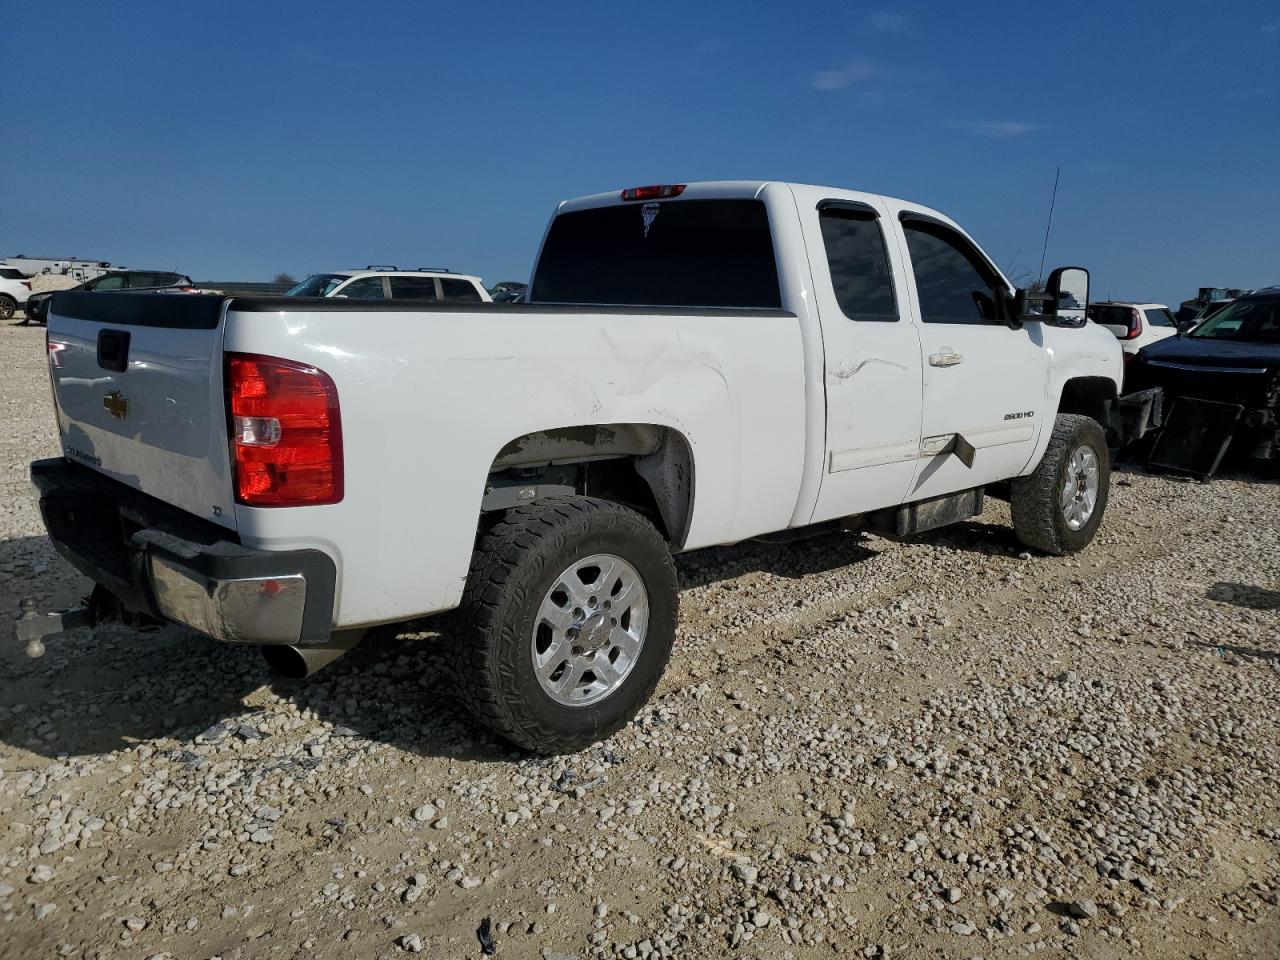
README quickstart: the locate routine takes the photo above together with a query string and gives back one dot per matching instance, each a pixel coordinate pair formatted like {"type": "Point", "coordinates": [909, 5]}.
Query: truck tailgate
{"type": "Point", "coordinates": [137, 379]}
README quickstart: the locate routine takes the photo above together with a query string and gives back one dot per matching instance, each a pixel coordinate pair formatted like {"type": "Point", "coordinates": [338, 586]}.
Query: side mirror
{"type": "Point", "coordinates": [1068, 289]}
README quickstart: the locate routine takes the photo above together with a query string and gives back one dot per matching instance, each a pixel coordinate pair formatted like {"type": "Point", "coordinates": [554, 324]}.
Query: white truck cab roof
{"type": "Point", "coordinates": [803, 194]}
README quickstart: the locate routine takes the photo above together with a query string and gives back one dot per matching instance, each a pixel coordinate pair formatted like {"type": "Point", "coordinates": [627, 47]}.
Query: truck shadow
{"type": "Point", "coordinates": [822, 552]}
{"type": "Point", "coordinates": [973, 536]}
{"type": "Point", "coordinates": [95, 693]}
{"type": "Point", "coordinates": [1244, 595]}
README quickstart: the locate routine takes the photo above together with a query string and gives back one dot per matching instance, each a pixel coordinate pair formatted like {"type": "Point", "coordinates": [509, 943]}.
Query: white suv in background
{"type": "Point", "coordinates": [1134, 324]}
{"type": "Point", "coordinates": [391, 283]}
{"type": "Point", "coordinates": [14, 290]}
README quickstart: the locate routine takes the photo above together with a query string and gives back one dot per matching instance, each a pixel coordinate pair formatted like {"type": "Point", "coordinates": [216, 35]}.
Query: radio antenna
{"type": "Point", "coordinates": [1053, 200]}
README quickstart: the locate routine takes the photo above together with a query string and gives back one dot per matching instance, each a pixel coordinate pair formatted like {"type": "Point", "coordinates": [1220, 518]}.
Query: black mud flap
{"type": "Point", "coordinates": [1136, 414]}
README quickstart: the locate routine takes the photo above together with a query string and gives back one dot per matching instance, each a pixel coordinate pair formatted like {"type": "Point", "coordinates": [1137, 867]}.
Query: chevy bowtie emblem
{"type": "Point", "coordinates": [116, 405]}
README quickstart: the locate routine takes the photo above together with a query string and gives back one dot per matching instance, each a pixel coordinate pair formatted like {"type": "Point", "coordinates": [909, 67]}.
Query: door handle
{"type": "Point", "coordinates": [944, 359]}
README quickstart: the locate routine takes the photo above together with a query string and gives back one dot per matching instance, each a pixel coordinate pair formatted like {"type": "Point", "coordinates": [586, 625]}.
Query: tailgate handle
{"type": "Point", "coordinates": [113, 350]}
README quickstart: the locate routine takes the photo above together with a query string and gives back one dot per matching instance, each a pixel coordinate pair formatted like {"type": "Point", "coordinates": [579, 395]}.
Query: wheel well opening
{"type": "Point", "coordinates": [646, 467]}
{"type": "Point", "coordinates": [1092, 397]}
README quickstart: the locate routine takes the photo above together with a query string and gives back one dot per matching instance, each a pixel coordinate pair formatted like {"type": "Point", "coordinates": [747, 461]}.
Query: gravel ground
{"type": "Point", "coordinates": [938, 748]}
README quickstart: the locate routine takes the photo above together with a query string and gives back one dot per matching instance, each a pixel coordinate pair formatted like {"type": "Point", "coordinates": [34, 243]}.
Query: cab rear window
{"type": "Point", "coordinates": [677, 253]}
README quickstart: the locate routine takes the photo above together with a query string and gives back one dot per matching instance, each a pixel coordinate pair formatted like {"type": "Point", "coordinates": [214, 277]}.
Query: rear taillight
{"type": "Point", "coordinates": [286, 432]}
{"type": "Point", "coordinates": [25, 283]}
{"type": "Point", "coordinates": [658, 191]}
{"type": "Point", "coordinates": [1135, 326]}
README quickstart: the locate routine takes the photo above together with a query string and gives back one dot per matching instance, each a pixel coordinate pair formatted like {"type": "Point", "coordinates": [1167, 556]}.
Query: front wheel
{"type": "Point", "coordinates": [7, 306]}
{"type": "Point", "coordinates": [1059, 507]}
{"type": "Point", "coordinates": [566, 623]}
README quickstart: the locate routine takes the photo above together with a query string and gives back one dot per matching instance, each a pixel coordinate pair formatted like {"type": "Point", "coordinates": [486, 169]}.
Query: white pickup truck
{"type": "Point", "coordinates": [698, 364]}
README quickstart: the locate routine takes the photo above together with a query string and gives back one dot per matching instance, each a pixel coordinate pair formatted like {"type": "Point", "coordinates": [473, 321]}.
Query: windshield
{"type": "Point", "coordinates": [1207, 312]}
{"type": "Point", "coordinates": [1254, 320]}
{"type": "Point", "coordinates": [316, 285]}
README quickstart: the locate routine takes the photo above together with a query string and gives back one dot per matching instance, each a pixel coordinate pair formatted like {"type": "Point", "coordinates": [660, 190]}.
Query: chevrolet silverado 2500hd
{"type": "Point", "coordinates": [697, 364]}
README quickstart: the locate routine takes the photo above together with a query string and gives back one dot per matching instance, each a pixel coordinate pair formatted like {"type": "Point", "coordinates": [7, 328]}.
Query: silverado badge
{"type": "Point", "coordinates": [116, 405]}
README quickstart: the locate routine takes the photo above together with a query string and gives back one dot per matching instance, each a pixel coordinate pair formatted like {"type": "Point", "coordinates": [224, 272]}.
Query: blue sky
{"type": "Point", "coordinates": [246, 139]}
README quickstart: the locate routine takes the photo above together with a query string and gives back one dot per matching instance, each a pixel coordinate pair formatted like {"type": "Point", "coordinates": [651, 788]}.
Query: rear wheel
{"type": "Point", "coordinates": [567, 622]}
{"type": "Point", "coordinates": [1059, 507]}
{"type": "Point", "coordinates": [7, 306]}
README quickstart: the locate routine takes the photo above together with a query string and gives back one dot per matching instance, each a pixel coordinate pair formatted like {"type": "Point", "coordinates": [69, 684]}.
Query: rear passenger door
{"type": "Point", "coordinates": [871, 358]}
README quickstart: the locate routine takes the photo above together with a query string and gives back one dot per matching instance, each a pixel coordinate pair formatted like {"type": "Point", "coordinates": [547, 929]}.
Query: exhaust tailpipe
{"type": "Point", "coordinates": [295, 663]}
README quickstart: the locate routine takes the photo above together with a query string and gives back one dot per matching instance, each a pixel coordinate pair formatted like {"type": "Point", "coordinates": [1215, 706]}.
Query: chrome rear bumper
{"type": "Point", "coordinates": [162, 562]}
{"type": "Point", "coordinates": [247, 610]}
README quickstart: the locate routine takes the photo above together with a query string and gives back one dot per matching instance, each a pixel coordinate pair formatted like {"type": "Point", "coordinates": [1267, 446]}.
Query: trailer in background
{"type": "Point", "coordinates": [80, 270]}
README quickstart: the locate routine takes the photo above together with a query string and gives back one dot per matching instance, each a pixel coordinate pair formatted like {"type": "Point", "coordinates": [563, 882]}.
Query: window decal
{"type": "Point", "coordinates": [649, 212]}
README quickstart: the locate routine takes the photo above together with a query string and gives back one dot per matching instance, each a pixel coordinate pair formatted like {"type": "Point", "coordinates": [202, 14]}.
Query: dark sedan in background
{"type": "Point", "coordinates": [1233, 358]}
{"type": "Point", "coordinates": [37, 305]}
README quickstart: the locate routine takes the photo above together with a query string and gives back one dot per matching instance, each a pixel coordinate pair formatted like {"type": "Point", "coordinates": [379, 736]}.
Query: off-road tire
{"type": "Point", "coordinates": [1035, 500]}
{"type": "Point", "coordinates": [514, 566]}
{"type": "Point", "coordinates": [8, 306]}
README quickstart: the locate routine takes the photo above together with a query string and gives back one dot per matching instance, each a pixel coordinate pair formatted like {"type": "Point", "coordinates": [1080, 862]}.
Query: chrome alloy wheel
{"type": "Point", "coordinates": [1080, 487]}
{"type": "Point", "coordinates": [589, 630]}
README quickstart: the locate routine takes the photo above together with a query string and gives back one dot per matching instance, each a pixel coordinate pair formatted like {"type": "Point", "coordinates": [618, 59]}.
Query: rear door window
{"type": "Point", "coordinates": [1160, 318]}
{"type": "Point", "coordinates": [674, 253]}
{"type": "Point", "coordinates": [459, 291]}
{"type": "Point", "coordinates": [413, 288]}
{"type": "Point", "coordinates": [858, 262]}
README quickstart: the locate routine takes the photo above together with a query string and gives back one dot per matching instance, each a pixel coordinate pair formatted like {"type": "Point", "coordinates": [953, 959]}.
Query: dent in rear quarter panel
{"type": "Point", "coordinates": [429, 398]}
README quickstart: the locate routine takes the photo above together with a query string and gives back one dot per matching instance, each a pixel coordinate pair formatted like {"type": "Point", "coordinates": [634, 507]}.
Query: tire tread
{"type": "Point", "coordinates": [495, 586]}
{"type": "Point", "coordinates": [1033, 499]}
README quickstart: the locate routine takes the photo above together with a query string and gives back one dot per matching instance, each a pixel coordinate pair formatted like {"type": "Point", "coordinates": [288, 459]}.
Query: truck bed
{"type": "Point", "coordinates": [429, 396]}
